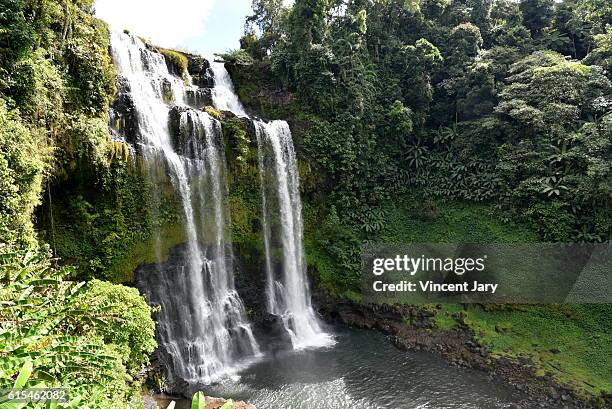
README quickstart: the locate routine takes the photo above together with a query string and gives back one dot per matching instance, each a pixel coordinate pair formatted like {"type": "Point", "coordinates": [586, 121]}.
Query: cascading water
{"type": "Point", "coordinates": [287, 286]}
{"type": "Point", "coordinates": [288, 289]}
{"type": "Point", "coordinates": [202, 328]}
{"type": "Point", "coordinates": [223, 95]}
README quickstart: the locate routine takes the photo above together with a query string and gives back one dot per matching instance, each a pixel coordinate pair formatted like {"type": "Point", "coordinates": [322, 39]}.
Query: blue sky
{"type": "Point", "coordinates": [201, 26]}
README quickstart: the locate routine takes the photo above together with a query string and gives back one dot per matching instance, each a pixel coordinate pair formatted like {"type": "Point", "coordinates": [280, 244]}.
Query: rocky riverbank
{"type": "Point", "coordinates": [412, 329]}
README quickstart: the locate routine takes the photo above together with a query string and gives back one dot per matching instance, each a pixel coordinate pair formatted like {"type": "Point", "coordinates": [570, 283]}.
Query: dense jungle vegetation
{"type": "Point", "coordinates": [433, 120]}
{"type": "Point", "coordinates": [56, 83]}
{"type": "Point", "coordinates": [448, 121]}
{"type": "Point", "coordinates": [421, 103]}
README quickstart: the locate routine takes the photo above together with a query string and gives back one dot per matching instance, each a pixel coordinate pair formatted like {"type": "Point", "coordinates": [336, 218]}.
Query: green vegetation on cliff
{"type": "Point", "coordinates": [447, 122]}
{"type": "Point", "coordinates": [438, 104]}
{"type": "Point", "coordinates": [430, 121]}
{"type": "Point", "coordinates": [56, 83]}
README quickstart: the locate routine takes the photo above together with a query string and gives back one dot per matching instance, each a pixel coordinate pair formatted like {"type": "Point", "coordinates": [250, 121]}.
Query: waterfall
{"type": "Point", "coordinates": [223, 94]}
{"type": "Point", "coordinates": [202, 329]}
{"type": "Point", "coordinates": [288, 291]}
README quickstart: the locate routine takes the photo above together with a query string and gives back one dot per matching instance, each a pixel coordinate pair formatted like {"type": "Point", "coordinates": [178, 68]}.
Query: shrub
{"type": "Point", "coordinates": [23, 158]}
{"type": "Point", "coordinates": [76, 336]}
{"type": "Point", "coordinates": [238, 57]}
{"type": "Point", "coordinates": [128, 324]}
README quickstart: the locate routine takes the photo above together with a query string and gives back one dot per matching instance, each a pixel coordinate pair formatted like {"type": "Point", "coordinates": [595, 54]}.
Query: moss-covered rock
{"type": "Point", "coordinates": [176, 61]}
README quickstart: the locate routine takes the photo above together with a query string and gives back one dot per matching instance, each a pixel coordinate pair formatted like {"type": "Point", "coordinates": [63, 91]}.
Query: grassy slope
{"type": "Point", "coordinates": [455, 222]}
{"type": "Point", "coordinates": [579, 332]}
{"type": "Point", "coordinates": [570, 342]}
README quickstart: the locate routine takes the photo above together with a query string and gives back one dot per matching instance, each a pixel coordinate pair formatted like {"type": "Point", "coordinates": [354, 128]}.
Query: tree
{"type": "Point", "coordinates": [537, 15]}
{"type": "Point", "coordinates": [602, 52]}
{"type": "Point", "coordinates": [560, 112]}
{"type": "Point", "coordinates": [267, 18]}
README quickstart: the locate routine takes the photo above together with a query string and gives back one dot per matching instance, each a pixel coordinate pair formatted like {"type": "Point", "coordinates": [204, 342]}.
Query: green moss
{"type": "Point", "coordinates": [444, 319]}
{"type": "Point", "coordinates": [245, 197]}
{"type": "Point", "coordinates": [119, 151]}
{"type": "Point", "coordinates": [241, 154]}
{"type": "Point", "coordinates": [352, 296]}
{"type": "Point", "coordinates": [245, 211]}
{"type": "Point", "coordinates": [567, 341]}
{"type": "Point", "coordinates": [177, 59]}
{"type": "Point", "coordinates": [212, 112]}
{"type": "Point", "coordinates": [146, 251]}
{"type": "Point", "coordinates": [106, 229]}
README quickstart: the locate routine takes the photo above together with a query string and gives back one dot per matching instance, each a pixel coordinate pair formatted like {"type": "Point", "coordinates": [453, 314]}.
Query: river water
{"type": "Point", "coordinates": [363, 370]}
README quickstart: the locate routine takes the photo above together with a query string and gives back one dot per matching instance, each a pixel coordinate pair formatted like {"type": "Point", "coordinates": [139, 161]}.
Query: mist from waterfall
{"type": "Point", "coordinates": [288, 292]}
{"type": "Point", "coordinates": [202, 327]}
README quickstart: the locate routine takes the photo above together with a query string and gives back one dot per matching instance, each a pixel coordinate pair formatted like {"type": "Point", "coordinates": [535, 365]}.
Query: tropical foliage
{"type": "Point", "coordinates": [56, 84]}
{"type": "Point", "coordinates": [91, 338]}
{"type": "Point", "coordinates": [472, 120]}
{"type": "Point", "coordinates": [499, 102]}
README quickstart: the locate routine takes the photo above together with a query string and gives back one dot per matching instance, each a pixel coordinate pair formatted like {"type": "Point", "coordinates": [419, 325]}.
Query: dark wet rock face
{"type": "Point", "coordinates": [123, 116]}
{"type": "Point", "coordinates": [173, 68]}
{"type": "Point", "coordinates": [199, 97]}
{"type": "Point", "coordinates": [187, 133]}
{"type": "Point", "coordinates": [180, 136]}
{"type": "Point", "coordinates": [272, 330]}
{"type": "Point", "coordinates": [199, 69]}
{"type": "Point", "coordinates": [268, 329]}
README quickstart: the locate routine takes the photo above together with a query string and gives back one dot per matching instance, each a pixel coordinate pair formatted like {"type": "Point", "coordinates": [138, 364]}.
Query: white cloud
{"type": "Point", "coordinates": [167, 23]}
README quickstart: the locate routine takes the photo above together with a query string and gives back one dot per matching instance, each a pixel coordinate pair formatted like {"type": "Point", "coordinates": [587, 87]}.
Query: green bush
{"type": "Point", "coordinates": [237, 57]}
{"type": "Point", "coordinates": [23, 160]}
{"type": "Point", "coordinates": [127, 323]}
{"type": "Point", "coordinates": [73, 336]}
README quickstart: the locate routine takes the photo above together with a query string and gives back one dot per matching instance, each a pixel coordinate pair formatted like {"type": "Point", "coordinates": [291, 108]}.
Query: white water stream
{"type": "Point", "coordinates": [288, 291]}
{"type": "Point", "coordinates": [202, 325]}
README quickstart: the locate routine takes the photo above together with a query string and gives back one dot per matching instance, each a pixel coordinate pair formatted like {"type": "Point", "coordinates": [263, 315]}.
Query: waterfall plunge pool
{"type": "Point", "coordinates": [362, 370]}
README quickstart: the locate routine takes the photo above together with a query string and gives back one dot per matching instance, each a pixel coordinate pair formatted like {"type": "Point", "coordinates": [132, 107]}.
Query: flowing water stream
{"type": "Point", "coordinates": [223, 95]}
{"type": "Point", "coordinates": [288, 292]}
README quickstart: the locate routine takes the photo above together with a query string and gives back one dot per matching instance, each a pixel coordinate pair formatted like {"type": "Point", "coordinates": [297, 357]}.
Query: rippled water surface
{"type": "Point", "coordinates": [363, 370]}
